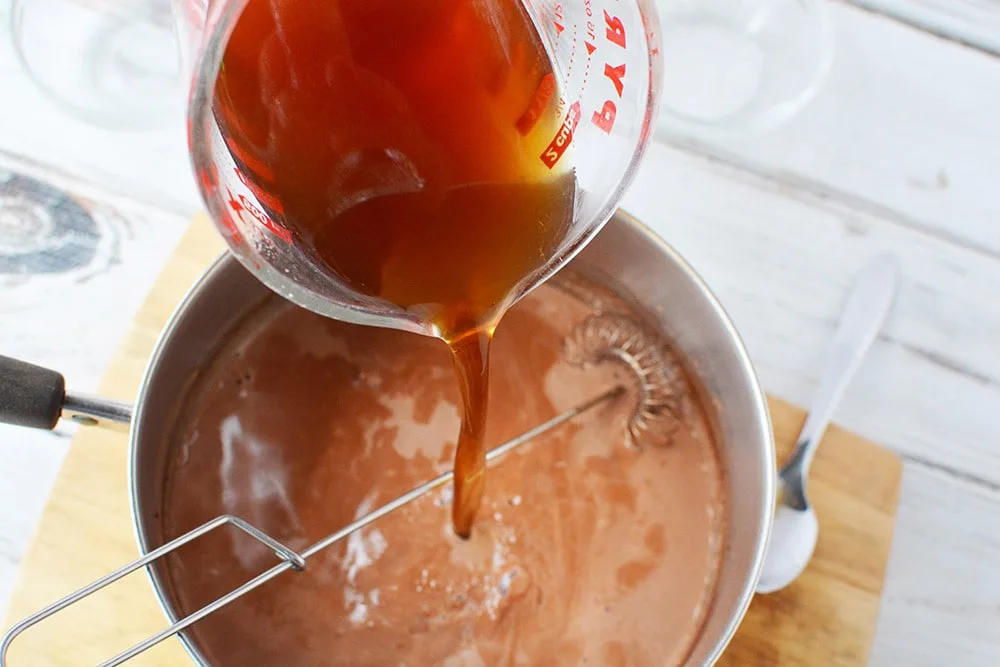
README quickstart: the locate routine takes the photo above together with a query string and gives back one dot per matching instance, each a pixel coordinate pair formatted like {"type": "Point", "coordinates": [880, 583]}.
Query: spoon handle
{"type": "Point", "coordinates": [866, 309]}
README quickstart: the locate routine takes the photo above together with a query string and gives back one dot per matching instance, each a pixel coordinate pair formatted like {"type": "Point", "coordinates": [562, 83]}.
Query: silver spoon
{"type": "Point", "coordinates": [795, 529]}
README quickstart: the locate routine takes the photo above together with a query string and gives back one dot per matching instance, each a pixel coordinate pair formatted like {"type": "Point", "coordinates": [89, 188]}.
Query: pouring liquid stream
{"type": "Point", "coordinates": [400, 144]}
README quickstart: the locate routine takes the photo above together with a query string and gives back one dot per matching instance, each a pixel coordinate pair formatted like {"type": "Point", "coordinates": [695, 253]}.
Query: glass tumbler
{"type": "Point", "coordinates": [112, 63]}
{"type": "Point", "coordinates": [739, 67]}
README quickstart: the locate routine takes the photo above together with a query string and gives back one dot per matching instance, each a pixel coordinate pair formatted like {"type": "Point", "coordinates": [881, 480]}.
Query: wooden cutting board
{"type": "Point", "coordinates": [826, 618]}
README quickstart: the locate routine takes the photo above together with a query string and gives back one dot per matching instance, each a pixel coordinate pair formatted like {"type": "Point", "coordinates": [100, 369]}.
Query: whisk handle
{"type": "Point", "coordinates": [30, 395]}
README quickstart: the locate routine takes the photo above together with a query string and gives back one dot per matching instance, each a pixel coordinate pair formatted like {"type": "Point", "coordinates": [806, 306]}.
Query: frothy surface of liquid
{"type": "Point", "coordinates": [585, 551]}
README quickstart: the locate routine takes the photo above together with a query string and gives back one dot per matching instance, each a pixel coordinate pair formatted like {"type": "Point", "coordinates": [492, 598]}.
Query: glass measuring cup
{"type": "Point", "coordinates": [605, 60]}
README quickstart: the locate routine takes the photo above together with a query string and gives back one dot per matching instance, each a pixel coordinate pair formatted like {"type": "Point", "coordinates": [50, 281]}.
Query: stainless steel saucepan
{"type": "Point", "coordinates": [629, 256]}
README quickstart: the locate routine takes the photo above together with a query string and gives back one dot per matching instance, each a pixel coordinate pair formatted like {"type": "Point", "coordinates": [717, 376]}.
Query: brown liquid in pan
{"type": "Point", "coordinates": [586, 551]}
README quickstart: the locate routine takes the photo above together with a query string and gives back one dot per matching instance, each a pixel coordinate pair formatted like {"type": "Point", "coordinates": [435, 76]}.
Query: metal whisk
{"type": "Point", "coordinates": [619, 338]}
{"type": "Point", "coordinates": [603, 337]}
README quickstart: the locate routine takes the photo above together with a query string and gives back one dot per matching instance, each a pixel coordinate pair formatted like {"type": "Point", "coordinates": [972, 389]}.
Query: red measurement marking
{"type": "Point", "coordinates": [616, 74]}
{"type": "Point", "coordinates": [616, 29]}
{"type": "Point", "coordinates": [590, 48]}
{"type": "Point", "coordinates": [233, 203]}
{"type": "Point", "coordinates": [564, 137]}
{"type": "Point", "coordinates": [227, 219]}
{"type": "Point", "coordinates": [543, 96]}
{"type": "Point", "coordinates": [651, 37]}
{"type": "Point", "coordinates": [266, 220]}
{"type": "Point", "coordinates": [605, 118]}
{"type": "Point", "coordinates": [242, 203]}
{"type": "Point", "coordinates": [559, 27]}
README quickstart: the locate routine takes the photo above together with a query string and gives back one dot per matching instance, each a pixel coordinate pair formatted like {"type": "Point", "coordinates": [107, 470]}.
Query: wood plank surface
{"type": "Point", "coordinates": [975, 23]}
{"type": "Point", "coordinates": [933, 375]}
{"type": "Point", "coordinates": [904, 128]}
{"type": "Point", "coordinates": [948, 539]}
{"type": "Point", "coordinates": [86, 528]}
{"type": "Point", "coordinates": [86, 531]}
{"type": "Point", "coordinates": [67, 316]}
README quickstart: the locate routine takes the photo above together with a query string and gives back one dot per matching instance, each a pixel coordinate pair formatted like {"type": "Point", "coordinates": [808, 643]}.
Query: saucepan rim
{"type": "Point", "coordinates": [744, 368]}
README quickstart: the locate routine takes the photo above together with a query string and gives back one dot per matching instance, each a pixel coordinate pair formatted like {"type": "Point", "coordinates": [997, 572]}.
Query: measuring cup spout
{"type": "Point", "coordinates": [36, 397]}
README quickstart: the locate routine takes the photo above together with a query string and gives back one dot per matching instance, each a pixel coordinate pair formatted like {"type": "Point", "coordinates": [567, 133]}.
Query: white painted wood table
{"type": "Point", "coordinates": [900, 151]}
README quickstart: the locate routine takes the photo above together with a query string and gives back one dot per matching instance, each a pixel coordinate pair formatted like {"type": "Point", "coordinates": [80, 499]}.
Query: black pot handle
{"type": "Point", "coordinates": [36, 397]}
{"type": "Point", "coordinates": [30, 395]}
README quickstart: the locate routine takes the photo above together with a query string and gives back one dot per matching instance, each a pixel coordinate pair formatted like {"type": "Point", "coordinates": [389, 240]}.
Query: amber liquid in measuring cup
{"type": "Point", "coordinates": [400, 143]}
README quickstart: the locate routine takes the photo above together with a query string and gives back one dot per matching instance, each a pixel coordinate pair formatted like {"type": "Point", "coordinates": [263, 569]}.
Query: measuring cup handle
{"type": "Point", "coordinates": [30, 395]}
